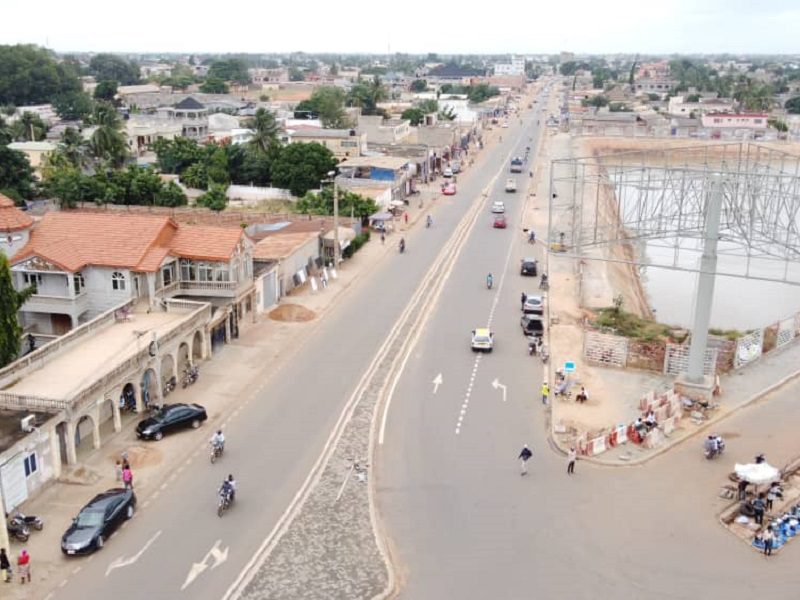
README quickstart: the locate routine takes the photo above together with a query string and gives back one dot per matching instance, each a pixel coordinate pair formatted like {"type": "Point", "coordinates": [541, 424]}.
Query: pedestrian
{"type": "Point", "coordinates": [742, 487]}
{"type": "Point", "coordinates": [572, 456]}
{"type": "Point", "coordinates": [24, 564]}
{"type": "Point", "coordinates": [768, 538]}
{"type": "Point", "coordinates": [759, 506]}
{"type": "Point", "coordinates": [545, 392]}
{"type": "Point", "coordinates": [524, 456]}
{"type": "Point", "coordinates": [532, 234]}
{"type": "Point", "coordinates": [5, 566]}
{"type": "Point", "coordinates": [383, 237]}
{"type": "Point", "coordinates": [405, 218]}
{"type": "Point", "coordinates": [118, 470]}
{"type": "Point", "coordinates": [582, 395]}
{"type": "Point", "coordinates": [127, 476]}
{"type": "Point", "coordinates": [523, 298]}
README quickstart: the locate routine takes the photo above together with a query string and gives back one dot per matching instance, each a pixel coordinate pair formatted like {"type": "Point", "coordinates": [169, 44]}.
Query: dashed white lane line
{"type": "Point", "coordinates": [464, 405]}
{"type": "Point", "coordinates": [63, 583]}
{"type": "Point", "coordinates": [76, 570]}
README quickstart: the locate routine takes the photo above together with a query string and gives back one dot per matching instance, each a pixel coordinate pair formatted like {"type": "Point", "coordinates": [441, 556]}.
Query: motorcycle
{"type": "Point", "coordinates": [190, 375]}
{"type": "Point", "coordinates": [18, 530]}
{"type": "Point", "coordinates": [170, 385]}
{"type": "Point", "coordinates": [534, 344]}
{"type": "Point", "coordinates": [30, 521]}
{"type": "Point", "coordinates": [544, 283]}
{"type": "Point", "coordinates": [489, 282]}
{"type": "Point", "coordinates": [225, 501]}
{"type": "Point", "coordinates": [216, 452]}
{"type": "Point", "coordinates": [711, 453]}
{"type": "Point", "coordinates": [428, 221]}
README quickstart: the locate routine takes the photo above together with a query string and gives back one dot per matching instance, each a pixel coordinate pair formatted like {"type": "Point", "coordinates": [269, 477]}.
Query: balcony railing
{"type": "Point", "coordinates": [57, 304]}
{"type": "Point", "coordinates": [209, 285]}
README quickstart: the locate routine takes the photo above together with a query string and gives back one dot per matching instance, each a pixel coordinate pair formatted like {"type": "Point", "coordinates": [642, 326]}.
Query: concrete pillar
{"type": "Point", "coordinates": [72, 455]}
{"type": "Point", "coordinates": [96, 425]}
{"type": "Point", "coordinates": [55, 452]}
{"type": "Point", "coordinates": [705, 285]}
{"type": "Point", "coordinates": [151, 289]}
{"type": "Point", "coordinates": [137, 394]}
{"type": "Point", "coordinates": [115, 410]}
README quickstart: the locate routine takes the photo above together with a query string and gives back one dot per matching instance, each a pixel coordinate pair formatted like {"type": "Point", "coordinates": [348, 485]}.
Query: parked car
{"type": "Point", "coordinates": [533, 305]}
{"type": "Point", "coordinates": [482, 340]}
{"type": "Point", "coordinates": [511, 185]}
{"type": "Point", "coordinates": [528, 267]}
{"type": "Point", "coordinates": [449, 189]}
{"type": "Point", "coordinates": [455, 167]}
{"type": "Point", "coordinates": [98, 520]}
{"type": "Point", "coordinates": [498, 207]}
{"type": "Point", "coordinates": [448, 172]}
{"type": "Point", "coordinates": [499, 222]}
{"type": "Point", "coordinates": [170, 418]}
{"type": "Point", "coordinates": [516, 164]}
{"type": "Point", "coordinates": [532, 325]}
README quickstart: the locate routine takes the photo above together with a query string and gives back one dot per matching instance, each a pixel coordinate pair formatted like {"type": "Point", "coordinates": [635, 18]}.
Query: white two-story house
{"type": "Point", "coordinates": [84, 263]}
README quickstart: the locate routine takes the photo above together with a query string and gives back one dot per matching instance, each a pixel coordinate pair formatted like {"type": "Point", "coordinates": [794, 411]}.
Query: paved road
{"type": "Point", "coordinates": [274, 442]}
{"type": "Point", "coordinates": [464, 524]}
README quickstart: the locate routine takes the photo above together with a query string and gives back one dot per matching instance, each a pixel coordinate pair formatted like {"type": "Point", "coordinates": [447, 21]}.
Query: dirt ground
{"type": "Point", "coordinates": [292, 313]}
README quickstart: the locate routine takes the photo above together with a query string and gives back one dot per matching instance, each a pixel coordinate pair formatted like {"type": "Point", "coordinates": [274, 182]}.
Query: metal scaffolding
{"type": "Point", "coordinates": [721, 209]}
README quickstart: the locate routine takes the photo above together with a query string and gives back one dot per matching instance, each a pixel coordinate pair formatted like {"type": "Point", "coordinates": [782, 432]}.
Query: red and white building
{"type": "Point", "coordinates": [729, 120]}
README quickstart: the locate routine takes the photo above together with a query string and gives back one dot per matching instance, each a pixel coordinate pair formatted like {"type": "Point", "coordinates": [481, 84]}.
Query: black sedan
{"type": "Point", "coordinates": [528, 267]}
{"type": "Point", "coordinates": [170, 418]}
{"type": "Point", "coordinates": [98, 520]}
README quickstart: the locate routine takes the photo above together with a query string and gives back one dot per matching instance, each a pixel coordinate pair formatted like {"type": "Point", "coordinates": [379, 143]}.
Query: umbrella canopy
{"type": "Point", "coordinates": [757, 473]}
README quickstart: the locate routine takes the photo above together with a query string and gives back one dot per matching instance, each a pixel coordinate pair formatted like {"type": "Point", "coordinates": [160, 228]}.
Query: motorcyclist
{"type": "Point", "coordinates": [710, 446]}
{"type": "Point", "coordinates": [544, 282]}
{"type": "Point", "coordinates": [218, 440]}
{"type": "Point", "coordinates": [429, 221]}
{"type": "Point", "coordinates": [720, 444]}
{"type": "Point", "coordinates": [489, 281]}
{"type": "Point", "coordinates": [402, 245]}
{"type": "Point", "coordinates": [228, 488]}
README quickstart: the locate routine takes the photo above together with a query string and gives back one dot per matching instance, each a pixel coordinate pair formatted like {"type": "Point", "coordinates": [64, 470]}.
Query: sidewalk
{"type": "Point", "coordinates": [236, 371]}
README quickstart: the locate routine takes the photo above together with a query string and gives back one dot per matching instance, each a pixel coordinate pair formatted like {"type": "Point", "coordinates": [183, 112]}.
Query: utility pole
{"type": "Point", "coordinates": [332, 175]}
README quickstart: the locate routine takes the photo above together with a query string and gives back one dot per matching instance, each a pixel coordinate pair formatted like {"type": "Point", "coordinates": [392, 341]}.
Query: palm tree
{"type": "Point", "coordinates": [107, 142]}
{"type": "Point", "coordinates": [74, 148]}
{"type": "Point", "coordinates": [367, 95]}
{"type": "Point", "coordinates": [265, 131]}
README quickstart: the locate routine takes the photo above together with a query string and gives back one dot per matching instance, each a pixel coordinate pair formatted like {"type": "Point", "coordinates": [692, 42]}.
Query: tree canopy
{"type": "Point", "coordinates": [10, 302]}
{"type": "Point", "coordinates": [301, 167]}
{"type": "Point", "coordinates": [105, 90]}
{"type": "Point", "coordinates": [214, 85]}
{"type": "Point", "coordinates": [415, 115]}
{"type": "Point", "coordinates": [16, 174]}
{"type": "Point", "coordinates": [111, 67]}
{"type": "Point", "coordinates": [327, 102]}
{"type": "Point", "coordinates": [793, 105]}
{"type": "Point", "coordinates": [367, 94]}
{"type": "Point", "coordinates": [230, 69]}
{"type": "Point", "coordinates": [30, 75]}
{"type": "Point", "coordinates": [419, 85]}
{"type": "Point", "coordinates": [73, 106]}
{"type": "Point", "coordinates": [322, 203]}
{"type": "Point", "coordinates": [215, 199]}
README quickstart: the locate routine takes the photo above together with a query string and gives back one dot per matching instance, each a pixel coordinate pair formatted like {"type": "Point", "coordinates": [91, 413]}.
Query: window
{"type": "Point", "coordinates": [205, 271]}
{"type": "Point", "coordinates": [30, 465]}
{"type": "Point", "coordinates": [188, 270]}
{"type": "Point", "coordinates": [78, 282]}
{"type": "Point", "coordinates": [166, 275]}
{"type": "Point", "coordinates": [32, 278]}
{"type": "Point", "coordinates": [117, 281]}
{"type": "Point", "coordinates": [758, 121]}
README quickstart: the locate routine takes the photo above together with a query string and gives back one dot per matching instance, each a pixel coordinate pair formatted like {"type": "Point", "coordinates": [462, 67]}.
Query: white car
{"type": "Point", "coordinates": [482, 340]}
{"type": "Point", "coordinates": [511, 185]}
{"type": "Point", "coordinates": [498, 207]}
{"type": "Point", "coordinates": [448, 172]}
{"type": "Point", "coordinates": [533, 305]}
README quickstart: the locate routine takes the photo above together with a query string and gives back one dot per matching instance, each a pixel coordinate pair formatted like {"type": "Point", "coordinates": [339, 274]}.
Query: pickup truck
{"type": "Point", "coordinates": [511, 185]}
{"type": "Point", "coordinates": [516, 165]}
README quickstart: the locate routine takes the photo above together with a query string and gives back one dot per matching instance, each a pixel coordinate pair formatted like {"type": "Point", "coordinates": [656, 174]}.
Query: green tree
{"type": "Point", "coordinates": [195, 176]}
{"type": "Point", "coordinates": [568, 68]}
{"type": "Point", "coordinates": [231, 69]}
{"type": "Point", "coordinates": [265, 130]}
{"type": "Point", "coordinates": [107, 142]}
{"type": "Point", "coordinates": [215, 199]}
{"type": "Point", "coordinates": [301, 167]}
{"type": "Point", "coordinates": [693, 98]}
{"type": "Point", "coordinates": [428, 106]}
{"type": "Point", "coordinates": [792, 105]}
{"type": "Point", "coordinates": [367, 95]}
{"type": "Point", "coordinates": [73, 106]}
{"type": "Point", "coordinates": [10, 302]}
{"type": "Point", "coordinates": [28, 128]}
{"type": "Point", "coordinates": [327, 102]}
{"type": "Point", "coordinates": [175, 156]}
{"type": "Point", "coordinates": [295, 74]}
{"type": "Point", "coordinates": [216, 164]}
{"type": "Point", "coordinates": [247, 166]}
{"type": "Point", "coordinates": [778, 125]}
{"type": "Point", "coordinates": [419, 85]}
{"type": "Point", "coordinates": [65, 183]}
{"type": "Point", "coordinates": [107, 66]}
{"type": "Point", "coordinates": [171, 195]}
{"type": "Point", "coordinates": [447, 114]}
{"type": "Point", "coordinates": [596, 101]}
{"type": "Point", "coordinates": [213, 85]}
{"type": "Point", "coordinates": [74, 148]}
{"type": "Point", "coordinates": [105, 90]}
{"type": "Point", "coordinates": [16, 175]}
{"type": "Point", "coordinates": [30, 75]}
{"type": "Point", "coordinates": [415, 115]}
{"type": "Point", "coordinates": [5, 132]}
{"type": "Point", "coordinates": [322, 203]}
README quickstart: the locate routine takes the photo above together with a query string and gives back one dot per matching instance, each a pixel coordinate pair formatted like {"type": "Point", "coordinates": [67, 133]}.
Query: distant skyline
{"type": "Point", "coordinates": [412, 26]}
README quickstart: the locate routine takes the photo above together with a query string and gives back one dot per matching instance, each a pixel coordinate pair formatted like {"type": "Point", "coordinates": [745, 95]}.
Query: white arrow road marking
{"type": "Point", "coordinates": [125, 562]}
{"type": "Point", "coordinates": [437, 382]}
{"type": "Point", "coordinates": [219, 556]}
{"type": "Point", "coordinates": [496, 384]}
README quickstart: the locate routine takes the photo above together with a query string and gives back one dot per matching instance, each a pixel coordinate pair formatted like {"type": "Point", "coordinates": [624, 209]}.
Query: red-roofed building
{"type": "Point", "coordinates": [15, 227]}
{"type": "Point", "coordinates": [85, 263]}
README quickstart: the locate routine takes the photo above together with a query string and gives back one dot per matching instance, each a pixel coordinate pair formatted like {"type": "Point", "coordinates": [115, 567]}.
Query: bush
{"type": "Point", "coordinates": [358, 241]}
{"type": "Point", "coordinates": [629, 325]}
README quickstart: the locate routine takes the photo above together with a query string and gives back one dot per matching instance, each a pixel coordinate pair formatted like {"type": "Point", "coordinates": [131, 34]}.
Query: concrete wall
{"type": "Point", "coordinates": [37, 443]}
{"type": "Point", "coordinates": [102, 296]}
{"type": "Point", "coordinates": [297, 261]}
{"type": "Point", "coordinates": [11, 243]}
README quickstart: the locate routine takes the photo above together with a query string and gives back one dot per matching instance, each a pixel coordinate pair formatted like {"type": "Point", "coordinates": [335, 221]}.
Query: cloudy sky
{"type": "Point", "coordinates": [415, 26]}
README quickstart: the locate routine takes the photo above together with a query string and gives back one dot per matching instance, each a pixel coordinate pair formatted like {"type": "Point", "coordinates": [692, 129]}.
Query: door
{"type": "Point", "coordinates": [60, 324]}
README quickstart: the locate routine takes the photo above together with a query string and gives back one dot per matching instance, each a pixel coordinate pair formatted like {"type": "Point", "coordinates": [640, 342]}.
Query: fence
{"type": "Point", "coordinates": [676, 360]}
{"type": "Point", "coordinates": [748, 348]}
{"type": "Point", "coordinates": [605, 349]}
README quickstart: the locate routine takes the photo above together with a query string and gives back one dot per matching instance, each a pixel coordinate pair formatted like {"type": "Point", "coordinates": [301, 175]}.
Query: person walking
{"type": "Point", "coordinates": [405, 217]}
{"type": "Point", "coordinates": [24, 565]}
{"type": "Point", "coordinates": [524, 455]}
{"type": "Point", "coordinates": [545, 392]}
{"type": "Point", "coordinates": [572, 456]}
{"type": "Point", "coordinates": [759, 506]}
{"type": "Point", "coordinates": [383, 237]}
{"type": "Point", "coordinates": [127, 476]}
{"type": "Point", "coordinates": [523, 298]}
{"type": "Point", "coordinates": [5, 566]}
{"type": "Point", "coordinates": [768, 541]}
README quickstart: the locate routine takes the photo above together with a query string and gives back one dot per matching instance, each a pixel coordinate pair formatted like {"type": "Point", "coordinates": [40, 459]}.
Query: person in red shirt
{"type": "Point", "coordinates": [24, 564]}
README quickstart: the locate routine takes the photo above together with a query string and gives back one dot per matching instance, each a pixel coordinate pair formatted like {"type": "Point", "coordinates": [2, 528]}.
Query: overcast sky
{"type": "Point", "coordinates": [414, 26]}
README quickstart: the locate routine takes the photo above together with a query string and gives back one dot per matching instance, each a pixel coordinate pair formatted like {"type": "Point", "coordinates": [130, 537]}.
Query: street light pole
{"type": "Point", "coordinates": [332, 175]}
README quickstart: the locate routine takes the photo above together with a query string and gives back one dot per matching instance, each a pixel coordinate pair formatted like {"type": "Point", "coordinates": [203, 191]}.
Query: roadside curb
{"type": "Point", "coordinates": [659, 451]}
